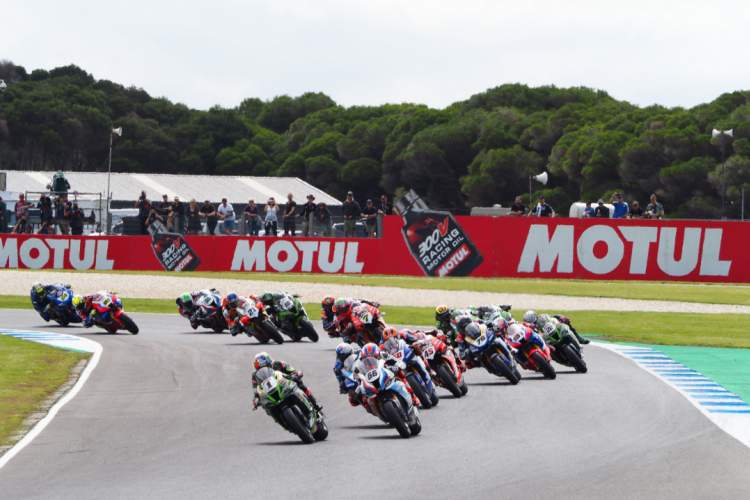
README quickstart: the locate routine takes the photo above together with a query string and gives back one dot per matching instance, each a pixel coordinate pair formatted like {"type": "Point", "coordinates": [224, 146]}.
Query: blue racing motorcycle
{"type": "Point", "coordinates": [492, 352]}
{"type": "Point", "coordinates": [60, 305]}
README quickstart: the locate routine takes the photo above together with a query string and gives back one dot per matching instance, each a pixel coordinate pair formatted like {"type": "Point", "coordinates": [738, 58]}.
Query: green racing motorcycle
{"type": "Point", "coordinates": [567, 350]}
{"type": "Point", "coordinates": [292, 319]}
{"type": "Point", "coordinates": [289, 407]}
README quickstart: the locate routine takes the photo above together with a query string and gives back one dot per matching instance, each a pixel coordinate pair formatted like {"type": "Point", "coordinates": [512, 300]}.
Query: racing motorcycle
{"type": "Point", "coordinates": [289, 407]}
{"type": "Point", "coordinates": [368, 324]}
{"type": "Point", "coordinates": [566, 350]}
{"type": "Point", "coordinates": [107, 313]}
{"type": "Point", "coordinates": [60, 308]}
{"type": "Point", "coordinates": [418, 379]}
{"type": "Point", "coordinates": [533, 351]}
{"type": "Point", "coordinates": [292, 319]}
{"type": "Point", "coordinates": [442, 360]}
{"type": "Point", "coordinates": [388, 398]}
{"type": "Point", "coordinates": [209, 313]}
{"type": "Point", "coordinates": [493, 353]}
{"type": "Point", "coordinates": [254, 321]}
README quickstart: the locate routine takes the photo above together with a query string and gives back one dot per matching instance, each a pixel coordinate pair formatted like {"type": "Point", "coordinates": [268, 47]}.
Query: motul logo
{"type": "Point", "coordinates": [562, 245]}
{"type": "Point", "coordinates": [454, 261]}
{"type": "Point", "coordinates": [283, 256]}
{"type": "Point", "coordinates": [35, 253]}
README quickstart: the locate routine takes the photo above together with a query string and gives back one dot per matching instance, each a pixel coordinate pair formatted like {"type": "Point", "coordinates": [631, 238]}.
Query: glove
{"type": "Point", "coordinates": [233, 329]}
{"type": "Point", "coordinates": [342, 387]}
{"type": "Point", "coordinates": [256, 402]}
{"type": "Point", "coordinates": [296, 377]}
{"type": "Point", "coordinates": [375, 304]}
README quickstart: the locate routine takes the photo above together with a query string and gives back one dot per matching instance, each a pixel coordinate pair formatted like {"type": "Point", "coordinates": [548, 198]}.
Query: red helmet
{"type": "Point", "coordinates": [342, 306]}
{"type": "Point", "coordinates": [418, 334]}
{"type": "Point", "coordinates": [328, 302]}
{"type": "Point", "coordinates": [370, 351]}
{"type": "Point", "coordinates": [390, 333]}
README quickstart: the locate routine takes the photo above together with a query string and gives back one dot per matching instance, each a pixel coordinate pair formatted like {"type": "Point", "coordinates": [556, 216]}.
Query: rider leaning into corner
{"type": "Point", "coordinates": [538, 322]}
{"type": "Point", "coordinates": [262, 359]}
{"type": "Point", "coordinates": [39, 298]}
{"type": "Point", "coordinates": [83, 306]}
{"type": "Point", "coordinates": [476, 329]}
{"type": "Point", "coordinates": [229, 308]}
{"type": "Point", "coordinates": [346, 352]}
{"type": "Point", "coordinates": [186, 305]}
{"type": "Point", "coordinates": [342, 310]}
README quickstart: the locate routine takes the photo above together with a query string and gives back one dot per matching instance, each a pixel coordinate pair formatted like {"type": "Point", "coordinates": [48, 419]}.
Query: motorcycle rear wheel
{"type": "Point", "coordinates": [321, 433]}
{"type": "Point", "coordinates": [463, 387]}
{"type": "Point", "coordinates": [418, 391]}
{"type": "Point", "coordinates": [290, 417]}
{"type": "Point", "coordinates": [544, 366]}
{"type": "Point", "coordinates": [309, 330]}
{"type": "Point", "coordinates": [394, 418]}
{"type": "Point", "coordinates": [271, 332]}
{"type": "Point", "coordinates": [572, 356]}
{"type": "Point", "coordinates": [416, 427]}
{"type": "Point", "coordinates": [448, 381]}
{"type": "Point", "coordinates": [128, 323]}
{"type": "Point", "coordinates": [434, 397]}
{"type": "Point", "coordinates": [504, 370]}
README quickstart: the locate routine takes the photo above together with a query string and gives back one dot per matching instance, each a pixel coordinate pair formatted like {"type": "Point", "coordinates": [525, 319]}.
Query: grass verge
{"type": "Point", "coordinates": [687, 329]}
{"type": "Point", "coordinates": [29, 373]}
{"type": "Point", "coordinates": [699, 293]}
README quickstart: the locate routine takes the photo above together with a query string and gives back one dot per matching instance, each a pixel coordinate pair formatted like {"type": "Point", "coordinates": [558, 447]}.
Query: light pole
{"type": "Point", "coordinates": [117, 131]}
{"type": "Point", "coordinates": [715, 134]}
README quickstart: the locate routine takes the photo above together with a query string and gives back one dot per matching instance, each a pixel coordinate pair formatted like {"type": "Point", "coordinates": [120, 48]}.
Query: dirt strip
{"type": "Point", "coordinates": [169, 287]}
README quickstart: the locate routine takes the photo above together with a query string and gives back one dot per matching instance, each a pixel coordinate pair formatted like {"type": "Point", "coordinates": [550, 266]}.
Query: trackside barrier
{"type": "Point", "coordinates": [507, 247]}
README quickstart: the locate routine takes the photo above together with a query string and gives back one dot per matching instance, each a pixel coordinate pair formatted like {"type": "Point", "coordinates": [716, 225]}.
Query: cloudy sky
{"type": "Point", "coordinates": [674, 53]}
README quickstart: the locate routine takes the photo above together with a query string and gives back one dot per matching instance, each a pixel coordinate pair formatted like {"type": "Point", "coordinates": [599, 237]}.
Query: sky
{"type": "Point", "coordinates": [673, 53]}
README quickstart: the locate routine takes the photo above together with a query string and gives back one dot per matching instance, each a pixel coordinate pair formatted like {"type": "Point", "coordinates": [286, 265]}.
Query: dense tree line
{"type": "Point", "coordinates": [474, 153]}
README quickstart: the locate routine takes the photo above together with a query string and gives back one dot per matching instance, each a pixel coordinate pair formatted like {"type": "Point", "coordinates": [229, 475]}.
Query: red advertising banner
{"type": "Point", "coordinates": [699, 251]}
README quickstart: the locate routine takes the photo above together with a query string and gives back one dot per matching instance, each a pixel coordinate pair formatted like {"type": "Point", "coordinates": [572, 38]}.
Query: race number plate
{"type": "Point", "coordinates": [480, 341]}
{"type": "Point", "coordinates": [269, 384]}
{"type": "Point", "coordinates": [398, 354]}
{"type": "Point", "coordinates": [549, 328]}
{"type": "Point", "coordinates": [428, 352]}
{"type": "Point", "coordinates": [372, 375]}
{"type": "Point", "coordinates": [286, 304]}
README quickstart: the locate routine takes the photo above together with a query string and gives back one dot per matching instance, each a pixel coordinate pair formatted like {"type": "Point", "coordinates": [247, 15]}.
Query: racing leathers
{"type": "Point", "coordinates": [290, 372]}
{"type": "Point", "coordinates": [543, 319]}
{"type": "Point", "coordinates": [349, 322]}
{"type": "Point", "coordinates": [41, 303]}
{"type": "Point", "coordinates": [86, 312]}
{"type": "Point", "coordinates": [189, 309]}
{"type": "Point", "coordinates": [233, 317]}
{"type": "Point", "coordinates": [448, 326]}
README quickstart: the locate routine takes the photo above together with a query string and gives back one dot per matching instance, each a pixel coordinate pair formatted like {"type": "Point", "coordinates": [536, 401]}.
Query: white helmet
{"type": "Point", "coordinates": [529, 317]}
{"type": "Point", "coordinates": [516, 333]}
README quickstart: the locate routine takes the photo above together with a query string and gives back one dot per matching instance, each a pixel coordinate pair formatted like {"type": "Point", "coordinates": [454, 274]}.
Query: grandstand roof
{"type": "Point", "coordinates": [128, 186]}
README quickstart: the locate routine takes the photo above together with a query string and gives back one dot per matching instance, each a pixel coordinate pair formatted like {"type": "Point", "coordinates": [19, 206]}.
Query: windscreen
{"type": "Point", "coordinates": [391, 346]}
{"type": "Point", "coordinates": [264, 373]}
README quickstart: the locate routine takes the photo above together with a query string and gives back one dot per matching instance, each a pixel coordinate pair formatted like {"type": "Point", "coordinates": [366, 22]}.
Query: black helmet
{"type": "Point", "coordinates": [462, 321]}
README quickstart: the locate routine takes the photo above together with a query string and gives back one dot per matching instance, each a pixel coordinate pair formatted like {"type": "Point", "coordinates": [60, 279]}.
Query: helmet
{"type": "Point", "coordinates": [390, 333]}
{"type": "Point", "coordinates": [343, 351]}
{"type": "Point", "coordinates": [328, 302]}
{"type": "Point", "coordinates": [462, 321]}
{"type": "Point", "coordinates": [186, 298]}
{"type": "Point", "coordinates": [266, 297]}
{"type": "Point", "coordinates": [78, 302]}
{"type": "Point", "coordinates": [232, 300]}
{"type": "Point", "coordinates": [37, 288]}
{"type": "Point", "coordinates": [499, 324]}
{"type": "Point", "coordinates": [371, 351]}
{"type": "Point", "coordinates": [442, 313]}
{"type": "Point", "coordinates": [516, 332]}
{"type": "Point", "coordinates": [473, 330]}
{"type": "Point", "coordinates": [262, 359]}
{"type": "Point", "coordinates": [342, 306]}
{"type": "Point", "coordinates": [253, 297]}
{"type": "Point", "coordinates": [529, 317]}
{"type": "Point", "coordinates": [472, 309]}
{"type": "Point", "coordinates": [405, 333]}
{"type": "Point", "coordinates": [418, 335]}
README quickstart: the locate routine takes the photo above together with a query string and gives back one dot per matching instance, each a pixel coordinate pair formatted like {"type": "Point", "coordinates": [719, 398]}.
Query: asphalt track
{"type": "Point", "coordinates": [167, 415]}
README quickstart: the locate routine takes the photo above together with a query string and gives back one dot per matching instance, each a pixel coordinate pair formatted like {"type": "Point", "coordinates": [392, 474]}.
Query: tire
{"type": "Point", "coordinates": [546, 368]}
{"type": "Point", "coordinates": [517, 373]}
{"type": "Point", "coordinates": [290, 417]}
{"type": "Point", "coordinates": [448, 382]}
{"type": "Point", "coordinates": [434, 397]}
{"type": "Point", "coordinates": [109, 329]}
{"type": "Point", "coordinates": [572, 357]}
{"type": "Point", "coordinates": [504, 370]}
{"type": "Point", "coordinates": [271, 332]}
{"type": "Point", "coordinates": [309, 330]}
{"type": "Point", "coordinates": [418, 391]}
{"type": "Point", "coordinates": [62, 322]}
{"type": "Point", "coordinates": [217, 329]}
{"type": "Point", "coordinates": [394, 418]}
{"type": "Point", "coordinates": [321, 433]}
{"type": "Point", "coordinates": [463, 387]}
{"type": "Point", "coordinates": [263, 340]}
{"type": "Point", "coordinates": [128, 323]}
{"type": "Point", "coordinates": [416, 428]}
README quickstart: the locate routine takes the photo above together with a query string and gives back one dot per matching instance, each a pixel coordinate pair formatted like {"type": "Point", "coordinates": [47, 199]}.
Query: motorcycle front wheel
{"type": "Point", "coordinates": [309, 330]}
{"type": "Point", "coordinates": [544, 366]}
{"type": "Point", "coordinates": [394, 418]}
{"type": "Point", "coordinates": [290, 417]}
{"type": "Point", "coordinates": [128, 323]}
{"type": "Point", "coordinates": [448, 382]}
{"type": "Point", "coordinates": [271, 331]}
{"type": "Point", "coordinates": [504, 370]}
{"type": "Point", "coordinates": [418, 391]}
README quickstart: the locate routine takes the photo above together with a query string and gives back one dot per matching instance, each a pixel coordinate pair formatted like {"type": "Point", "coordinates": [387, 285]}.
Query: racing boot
{"type": "Point", "coordinates": [316, 405]}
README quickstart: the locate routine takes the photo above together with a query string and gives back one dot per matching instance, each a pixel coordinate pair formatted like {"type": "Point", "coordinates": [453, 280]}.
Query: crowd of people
{"type": "Point", "coordinates": [272, 217]}
{"type": "Point", "coordinates": [58, 212]}
{"type": "Point", "coordinates": [654, 210]}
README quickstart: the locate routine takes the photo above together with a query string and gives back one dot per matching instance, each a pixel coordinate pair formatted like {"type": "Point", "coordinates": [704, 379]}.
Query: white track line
{"type": "Point", "coordinates": [64, 342]}
{"type": "Point", "coordinates": [728, 411]}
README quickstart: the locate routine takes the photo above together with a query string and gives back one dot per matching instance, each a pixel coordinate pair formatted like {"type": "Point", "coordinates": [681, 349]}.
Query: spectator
{"type": "Point", "coordinates": [59, 184]}
{"type": "Point", "coordinates": [308, 209]}
{"type": "Point", "coordinates": [20, 226]}
{"type": "Point", "coordinates": [176, 211]}
{"type": "Point", "coordinates": [162, 207]}
{"type": "Point", "coordinates": [144, 209]}
{"type": "Point", "coordinates": [22, 207]}
{"type": "Point", "coordinates": [253, 218]}
{"type": "Point", "coordinates": [45, 229]}
{"type": "Point", "coordinates": [272, 222]}
{"type": "Point", "coordinates": [371, 219]}
{"type": "Point", "coordinates": [208, 211]}
{"type": "Point", "coordinates": [386, 207]}
{"type": "Point", "coordinates": [588, 212]}
{"type": "Point", "coordinates": [153, 216]}
{"type": "Point", "coordinates": [290, 221]}
{"type": "Point", "coordinates": [636, 212]}
{"type": "Point", "coordinates": [323, 217]}
{"type": "Point", "coordinates": [76, 220]}
{"type": "Point", "coordinates": [518, 209]}
{"type": "Point", "coordinates": [351, 211]}
{"type": "Point", "coordinates": [226, 214]}
{"type": "Point", "coordinates": [601, 212]}
{"type": "Point", "coordinates": [542, 209]}
{"type": "Point", "coordinates": [654, 210]}
{"type": "Point", "coordinates": [3, 217]}
{"type": "Point", "coordinates": [621, 208]}
{"type": "Point", "coordinates": [193, 217]}
{"type": "Point", "coordinates": [45, 205]}
{"type": "Point", "coordinates": [63, 207]}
